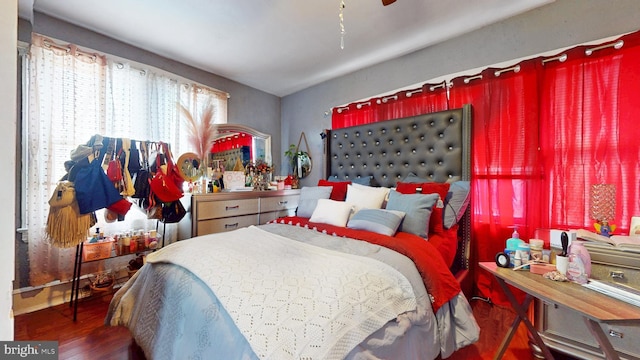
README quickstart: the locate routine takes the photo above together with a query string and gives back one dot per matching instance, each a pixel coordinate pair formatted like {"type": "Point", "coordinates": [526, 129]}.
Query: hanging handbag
{"type": "Point", "coordinates": [134, 159]}
{"type": "Point", "coordinates": [163, 184]}
{"type": "Point", "coordinates": [164, 188]}
{"type": "Point", "coordinates": [127, 183]}
{"type": "Point", "coordinates": [173, 212]}
{"type": "Point", "coordinates": [114, 169]}
{"type": "Point", "coordinates": [141, 184]}
{"type": "Point", "coordinates": [94, 190]}
{"type": "Point", "coordinates": [63, 195]}
{"type": "Point", "coordinates": [155, 212]}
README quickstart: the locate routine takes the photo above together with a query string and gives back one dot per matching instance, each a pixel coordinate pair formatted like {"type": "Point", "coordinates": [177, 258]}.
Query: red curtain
{"type": "Point", "coordinates": [506, 170]}
{"type": "Point", "coordinates": [589, 106]}
{"type": "Point", "coordinates": [541, 136]}
{"type": "Point", "coordinates": [230, 142]}
{"type": "Point", "coordinates": [428, 98]}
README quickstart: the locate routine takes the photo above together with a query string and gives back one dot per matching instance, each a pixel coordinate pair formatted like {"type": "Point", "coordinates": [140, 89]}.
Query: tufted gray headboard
{"type": "Point", "coordinates": [434, 146]}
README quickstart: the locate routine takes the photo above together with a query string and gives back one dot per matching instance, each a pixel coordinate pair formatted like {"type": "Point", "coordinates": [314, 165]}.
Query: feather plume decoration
{"type": "Point", "coordinates": [201, 134]}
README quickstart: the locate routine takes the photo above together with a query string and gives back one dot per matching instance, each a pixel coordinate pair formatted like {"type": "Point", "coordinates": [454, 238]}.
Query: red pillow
{"type": "Point", "coordinates": [436, 222]}
{"type": "Point", "coordinates": [339, 191]}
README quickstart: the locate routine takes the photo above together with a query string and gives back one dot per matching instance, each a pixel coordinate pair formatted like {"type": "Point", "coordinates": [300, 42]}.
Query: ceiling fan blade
{"type": "Point", "coordinates": [388, 2]}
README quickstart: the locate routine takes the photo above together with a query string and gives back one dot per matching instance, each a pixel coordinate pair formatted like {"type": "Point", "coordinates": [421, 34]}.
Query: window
{"type": "Point", "coordinates": [73, 94]}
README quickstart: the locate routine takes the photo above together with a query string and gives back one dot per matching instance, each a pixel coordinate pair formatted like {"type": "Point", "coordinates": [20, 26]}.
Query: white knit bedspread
{"type": "Point", "coordinates": [284, 298]}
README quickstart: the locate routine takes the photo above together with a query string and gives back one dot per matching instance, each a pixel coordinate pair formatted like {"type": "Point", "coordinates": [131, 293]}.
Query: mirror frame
{"type": "Point", "coordinates": [226, 128]}
{"type": "Point", "coordinates": [181, 161]}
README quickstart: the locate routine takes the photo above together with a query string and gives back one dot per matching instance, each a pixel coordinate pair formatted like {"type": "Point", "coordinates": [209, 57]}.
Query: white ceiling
{"type": "Point", "coordinates": [280, 46]}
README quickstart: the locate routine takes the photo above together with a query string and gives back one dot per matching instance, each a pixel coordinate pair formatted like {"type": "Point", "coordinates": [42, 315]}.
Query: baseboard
{"type": "Point", "coordinates": [30, 299]}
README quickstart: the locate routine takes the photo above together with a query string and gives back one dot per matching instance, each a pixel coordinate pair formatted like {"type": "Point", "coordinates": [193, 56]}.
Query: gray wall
{"type": "Point", "coordinates": [247, 106]}
{"type": "Point", "coordinates": [557, 25]}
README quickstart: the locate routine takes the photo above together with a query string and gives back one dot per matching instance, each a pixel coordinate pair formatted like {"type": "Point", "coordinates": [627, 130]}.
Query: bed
{"type": "Point", "coordinates": [310, 287]}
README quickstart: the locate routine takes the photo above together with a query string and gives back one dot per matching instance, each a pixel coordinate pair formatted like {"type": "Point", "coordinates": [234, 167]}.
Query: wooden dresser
{"type": "Point", "coordinates": [563, 329]}
{"type": "Point", "coordinates": [226, 211]}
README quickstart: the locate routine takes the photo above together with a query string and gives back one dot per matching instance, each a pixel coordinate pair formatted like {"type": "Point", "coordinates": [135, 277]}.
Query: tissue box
{"type": "Point", "coordinates": [555, 237]}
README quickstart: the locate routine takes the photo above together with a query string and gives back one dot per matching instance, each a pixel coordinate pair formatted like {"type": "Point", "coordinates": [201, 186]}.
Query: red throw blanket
{"type": "Point", "coordinates": [438, 280]}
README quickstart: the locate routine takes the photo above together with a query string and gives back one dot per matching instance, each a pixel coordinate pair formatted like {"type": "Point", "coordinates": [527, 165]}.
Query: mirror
{"type": "Point", "coordinates": [240, 142]}
{"type": "Point", "coordinates": [302, 164]}
{"type": "Point", "coordinates": [189, 166]}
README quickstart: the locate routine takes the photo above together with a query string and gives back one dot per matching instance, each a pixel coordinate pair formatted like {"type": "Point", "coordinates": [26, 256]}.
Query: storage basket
{"type": "Point", "coordinates": [102, 281]}
{"type": "Point", "coordinates": [97, 250]}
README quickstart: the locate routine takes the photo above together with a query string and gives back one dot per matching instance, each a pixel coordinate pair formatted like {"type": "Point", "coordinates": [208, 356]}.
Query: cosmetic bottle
{"type": "Point", "coordinates": [579, 269]}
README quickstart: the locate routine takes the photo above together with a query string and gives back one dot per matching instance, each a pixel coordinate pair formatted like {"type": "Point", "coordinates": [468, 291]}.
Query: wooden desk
{"type": "Point", "coordinates": [595, 308]}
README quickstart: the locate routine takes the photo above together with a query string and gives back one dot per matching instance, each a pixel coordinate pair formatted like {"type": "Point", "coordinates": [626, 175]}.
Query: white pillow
{"type": "Point", "coordinates": [366, 197]}
{"type": "Point", "coordinates": [331, 212]}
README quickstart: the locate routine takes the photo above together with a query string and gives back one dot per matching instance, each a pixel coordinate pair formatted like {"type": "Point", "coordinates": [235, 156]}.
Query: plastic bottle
{"type": "Point", "coordinates": [512, 245]}
{"type": "Point", "coordinates": [514, 241]}
{"type": "Point", "coordinates": [579, 269]}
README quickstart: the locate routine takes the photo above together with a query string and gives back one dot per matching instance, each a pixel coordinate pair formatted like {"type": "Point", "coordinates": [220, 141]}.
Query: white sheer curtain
{"type": "Point", "coordinates": [73, 95]}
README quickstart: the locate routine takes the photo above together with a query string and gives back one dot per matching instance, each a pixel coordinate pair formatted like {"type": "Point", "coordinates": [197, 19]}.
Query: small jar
{"type": "Point", "coordinates": [523, 253]}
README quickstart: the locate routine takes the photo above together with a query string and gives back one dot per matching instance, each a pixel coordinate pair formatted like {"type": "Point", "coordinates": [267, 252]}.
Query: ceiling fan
{"type": "Point", "coordinates": [388, 2]}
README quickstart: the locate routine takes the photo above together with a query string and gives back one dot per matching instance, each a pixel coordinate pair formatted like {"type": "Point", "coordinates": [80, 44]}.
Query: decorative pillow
{"type": "Point", "coordinates": [331, 212]}
{"type": "Point", "coordinates": [436, 223]}
{"type": "Point", "coordinates": [339, 192]}
{"type": "Point", "coordinates": [365, 180]}
{"type": "Point", "coordinates": [413, 178]}
{"type": "Point", "coordinates": [380, 221]}
{"type": "Point", "coordinates": [456, 202]}
{"type": "Point", "coordinates": [309, 197]}
{"type": "Point", "coordinates": [366, 197]}
{"type": "Point", "coordinates": [418, 209]}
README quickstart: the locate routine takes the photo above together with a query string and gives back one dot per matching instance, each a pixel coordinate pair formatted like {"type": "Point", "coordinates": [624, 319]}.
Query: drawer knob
{"type": "Point", "coordinates": [283, 202]}
{"type": "Point", "coordinates": [235, 225]}
{"type": "Point", "coordinates": [616, 334]}
{"type": "Point", "coordinates": [236, 207]}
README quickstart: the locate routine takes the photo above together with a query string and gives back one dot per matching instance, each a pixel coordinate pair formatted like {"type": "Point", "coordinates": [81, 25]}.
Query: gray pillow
{"type": "Point", "coordinates": [456, 202]}
{"type": "Point", "coordinates": [365, 180]}
{"type": "Point", "coordinates": [309, 196]}
{"type": "Point", "coordinates": [380, 221]}
{"type": "Point", "coordinates": [417, 207]}
{"type": "Point", "coordinates": [414, 179]}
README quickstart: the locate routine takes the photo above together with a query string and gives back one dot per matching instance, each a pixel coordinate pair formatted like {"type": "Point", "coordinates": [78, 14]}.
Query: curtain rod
{"type": "Point", "coordinates": [616, 45]}
{"type": "Point", "coordinates": [513, 68]}
{"type": "Point", "coordinates": [434, 87]}
{"type": "Point", "coordinates": [470, 78]}
{"type": "Point", "coordinates": [561, 58]}
{"type": "Point", "coordinates": [387, 98]}
{"type": "Point", "coordinates": [360, 105]}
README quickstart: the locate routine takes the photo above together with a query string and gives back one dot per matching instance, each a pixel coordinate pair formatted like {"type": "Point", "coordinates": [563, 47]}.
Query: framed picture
{"type": "Point", "coordinates": [634, 228]}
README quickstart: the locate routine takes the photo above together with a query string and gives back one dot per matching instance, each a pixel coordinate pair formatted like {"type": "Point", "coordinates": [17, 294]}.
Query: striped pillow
{"type": "Point", "coordinates": [380, 221]}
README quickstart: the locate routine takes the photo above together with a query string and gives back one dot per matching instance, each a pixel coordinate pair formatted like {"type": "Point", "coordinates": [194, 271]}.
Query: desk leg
{"type": "Point", "coordinates": [601, 338]}
{"type": "Point", "coordinates": [521, 310]}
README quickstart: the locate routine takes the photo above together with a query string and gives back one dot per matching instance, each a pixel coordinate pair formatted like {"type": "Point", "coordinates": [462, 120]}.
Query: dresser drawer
{"type": "Point", "coordinates": [226, 208]}
{"type": "Point", "coordinates": [567, 328]}
{"type": "Point", "coordinates": [226, 224]}
{"type": "Point", "coordinates": [277, 203]}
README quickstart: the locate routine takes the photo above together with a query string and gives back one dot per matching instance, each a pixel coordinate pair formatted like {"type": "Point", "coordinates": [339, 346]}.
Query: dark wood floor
{"type": "Point", "coordinates": [89, 338]}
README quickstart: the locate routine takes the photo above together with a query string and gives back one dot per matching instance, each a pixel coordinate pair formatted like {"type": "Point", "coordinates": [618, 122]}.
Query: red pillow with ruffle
{"type": "Point", "coordinates": [436, 222]}
{"type": "Point", "coordinates": [339, 191]}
